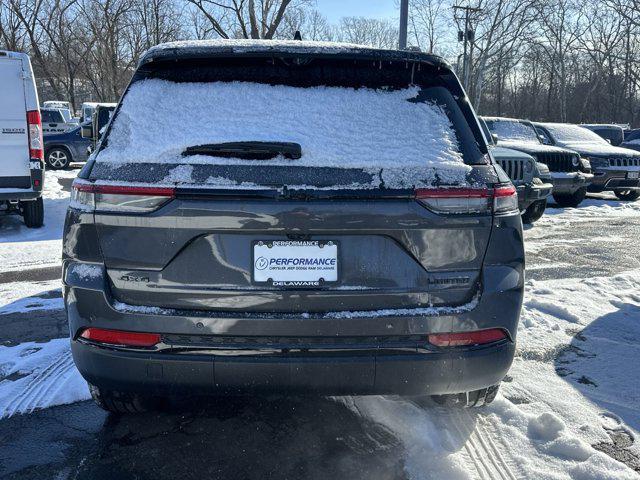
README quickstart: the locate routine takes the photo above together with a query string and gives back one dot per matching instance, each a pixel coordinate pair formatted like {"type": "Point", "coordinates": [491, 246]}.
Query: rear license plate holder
{"type": "Point", "coordinates": [295, 263]}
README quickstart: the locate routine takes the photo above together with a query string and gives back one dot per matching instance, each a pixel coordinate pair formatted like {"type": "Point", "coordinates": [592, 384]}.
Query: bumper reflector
{"type": "Point", "coordinates": [118, 337]}
{"type": "Point", "coordinates": [478, 337]}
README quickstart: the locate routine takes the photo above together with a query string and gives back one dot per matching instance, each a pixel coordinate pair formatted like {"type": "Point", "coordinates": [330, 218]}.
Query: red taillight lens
{"type": "Point", "coordinates": [34, 123]}
{"type": "Point", "coordinates": [505, 199]}
{"type": "Point", "coordinates": [119, 337]}
{"type": "Point", "coordinates": [478, 337]}
{"type": "Point", "coordinates": [469, 200]}
{"type": "Point", "coordinates": [118, 198]}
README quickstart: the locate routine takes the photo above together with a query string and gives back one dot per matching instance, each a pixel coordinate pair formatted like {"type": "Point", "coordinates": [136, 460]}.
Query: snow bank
{"type": "Point", "coordinates": [336, 127]}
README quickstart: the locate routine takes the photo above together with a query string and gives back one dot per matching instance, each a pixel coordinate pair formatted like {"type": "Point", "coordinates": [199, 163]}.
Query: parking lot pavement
{"type": "Point", "coordinates": [524, 434]}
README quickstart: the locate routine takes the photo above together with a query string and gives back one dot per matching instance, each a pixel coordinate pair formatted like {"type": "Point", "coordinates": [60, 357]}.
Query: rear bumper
{"type": "Point", "coordinates": [607, 179]}
{"type": "Point", "coordinates": [19, 194]}
{"type": "Point", "coordinates": [22, 188]}
{"type": "Point", "coordinates": [329, 373]}
{"type": "Point", "coordinates": [569, 183]}
{"type": "Point", "coordinates": [531, 192]}
{"type": "Point", "coordinates": [390, 355]}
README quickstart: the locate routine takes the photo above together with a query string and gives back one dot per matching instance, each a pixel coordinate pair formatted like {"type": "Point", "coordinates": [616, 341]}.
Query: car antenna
{"type": "Point", "coordinates": [297, 35]}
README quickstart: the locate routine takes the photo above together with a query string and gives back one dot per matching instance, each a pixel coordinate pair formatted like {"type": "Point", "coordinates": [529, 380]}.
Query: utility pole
{"type": "Point", "coordinates": [404, 20]}
{"type": "Point", "coordinates": [467, 36]}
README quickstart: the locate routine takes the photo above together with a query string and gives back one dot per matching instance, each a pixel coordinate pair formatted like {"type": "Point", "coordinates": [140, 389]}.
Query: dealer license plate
{"type": "Point", "coordinates": [633, 175]}
{"type": "Point", "coordinates": [295, 263]}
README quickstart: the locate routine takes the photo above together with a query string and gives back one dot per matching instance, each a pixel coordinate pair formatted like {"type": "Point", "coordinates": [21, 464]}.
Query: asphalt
{"type": "Point", "coordinates": [259, 437]}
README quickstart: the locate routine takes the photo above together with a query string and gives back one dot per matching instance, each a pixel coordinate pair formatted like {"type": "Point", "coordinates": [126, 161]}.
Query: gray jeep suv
{"type": "Point", "coordinates": [615, 169]}
{"type": "Point", "coordinates": [570, 174]}
{"type": "Point", "coordinates": [292, 217]}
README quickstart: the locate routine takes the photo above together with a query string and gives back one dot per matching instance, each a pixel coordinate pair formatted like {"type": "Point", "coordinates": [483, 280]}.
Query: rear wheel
{"type": "Point", "coordinates": [473, 399]}
{"type": "Point", "coordinates": [570, 200]}
{"type": "Point", "coordinates": [118, 402]}
{"type": "Point", "coordinates": [33, 213]}
{"type": "Point", "coordinates": [627, 195]}
{"type": "Point", "coordinates": [58, 158]}
{"type": "Point", "coordinates": [534, 211]}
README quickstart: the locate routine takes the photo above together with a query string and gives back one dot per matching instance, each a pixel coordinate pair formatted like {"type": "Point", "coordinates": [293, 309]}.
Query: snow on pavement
{"type": "Point", "coordinates": [38, 375]}
{"type": "Point", "coordinates": [24, 248]}
{"type": "Point", "coordinates": [545, 421]}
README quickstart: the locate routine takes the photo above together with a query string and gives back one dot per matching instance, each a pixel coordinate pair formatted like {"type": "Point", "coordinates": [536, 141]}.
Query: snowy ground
{"type": "Point", "coordinates": [569, 408]}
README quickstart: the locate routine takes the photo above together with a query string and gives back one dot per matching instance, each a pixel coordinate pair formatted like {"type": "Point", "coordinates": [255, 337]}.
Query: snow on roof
{"type": "Point", "coordinates": [335, 126]}
{"type": "Point", "coordinates": [512, 129]}
{"type": "Point", "coordinates": [249, 45]}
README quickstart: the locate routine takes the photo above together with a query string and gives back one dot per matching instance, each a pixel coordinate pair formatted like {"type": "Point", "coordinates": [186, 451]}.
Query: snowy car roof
{"type": "Point", "coordinates": [503, 119]}
{"type": "Point", "coordinates": [245, 47]}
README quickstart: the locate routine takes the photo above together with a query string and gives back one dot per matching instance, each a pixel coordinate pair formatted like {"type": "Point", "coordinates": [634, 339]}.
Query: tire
{"type": "Point", "coordinates": [118, 402]}
{"type": "Point", "coordinates": [627, 195]}
{"type": "Point", "coordinates": [571, 200]}
{"type": "Point", "coordinates": [33, 213]}
{"type": "Point", "coordinates": [534, 211]}
{"type": "Point", "coordinates": [474, 399]}
{"type": "Point", "coordinates": [58, 158]}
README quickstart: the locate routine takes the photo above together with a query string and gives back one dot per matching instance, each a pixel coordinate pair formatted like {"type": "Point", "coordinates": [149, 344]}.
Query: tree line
{"type": "Point", "coordinates": [555, 60]}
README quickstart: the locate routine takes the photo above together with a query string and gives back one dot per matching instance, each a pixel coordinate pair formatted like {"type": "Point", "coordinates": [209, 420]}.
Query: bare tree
{"type": "Point", "coordinates": [368, 31]}
{"type": "Point", "coordinates": [243, 18]}
{"type": "Point", "coordinates": [429, 21]}
{"type": "Point", "coordinates": [309, 22]}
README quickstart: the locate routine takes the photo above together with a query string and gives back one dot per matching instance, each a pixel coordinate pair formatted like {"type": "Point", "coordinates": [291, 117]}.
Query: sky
{"type": "Point", "coordinates": [336, 9]}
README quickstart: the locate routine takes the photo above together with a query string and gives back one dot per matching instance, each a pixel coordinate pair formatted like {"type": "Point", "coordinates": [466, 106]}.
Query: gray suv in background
{"type": "Point", "coordinates": [615, 169]}
{"type": "Point", "coordinates": [292, 217]}
{"type": "Point", "coordinates": [570, 174]}
{"type": "Point", "coordinates": [531, 179]}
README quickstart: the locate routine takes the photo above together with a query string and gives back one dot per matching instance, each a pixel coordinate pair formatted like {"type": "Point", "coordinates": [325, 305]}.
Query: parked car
{"type": "Point", "coordinates": [570, 174]}
{"type": "Point", "coordinates": [88, 108]}
{"type": "Point", "coordinates": [614, 134]}
{"type": "Point", "coordinates": [631, 139]}
{"type": "Point", "coordinates": [525, 175]}
{"type": "Point", "coordinates": [290, 247]}
{"type": "Point", "coordinates": [615, 169]}
{"type": "Point", "coordinates": [21, 156]}
{"type": "Point", "coordinates": [54, 121]}
{"type": "Point", "coordinates": [64, 108]}
{"type": "Point", "coordinates": [63, 148]}
{"type": "Point", "coordinates": [94, 129]}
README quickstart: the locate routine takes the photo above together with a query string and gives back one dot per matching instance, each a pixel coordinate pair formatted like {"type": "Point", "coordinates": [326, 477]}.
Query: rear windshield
{"type": "Point", "coordinates": [52, 116]}
{"type": "Point", "coordinates": [402, 137]}
{"type": "Point", "coordinates": [513, 130]}
{"type": "Point", "coordinates": [564, 132]}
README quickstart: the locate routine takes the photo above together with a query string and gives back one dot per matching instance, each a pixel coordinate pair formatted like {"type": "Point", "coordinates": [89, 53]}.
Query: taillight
{"type": "Point", "coordinates": [505, 199]}
{"type": "Point", "coordinates": [34, 123]}
{"type": "Point", "coordinates": [119, 337]}
{"type": "Point", "coordinates": [118, 198]}
{"type": "Point", "coordinates": [502, 199]}
{"type": "Point", "coordinates": [459, 339]}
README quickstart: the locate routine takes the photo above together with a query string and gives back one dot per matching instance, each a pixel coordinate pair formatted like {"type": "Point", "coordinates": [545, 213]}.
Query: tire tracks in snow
{"type": "Point", "coordinates": [486, 458]}
{"type": "Point", "coordinates": [46, 382]}
{"type": "Point", "coordinates": [473, 437]}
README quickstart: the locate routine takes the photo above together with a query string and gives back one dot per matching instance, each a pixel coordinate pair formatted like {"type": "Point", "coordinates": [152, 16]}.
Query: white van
{"type": "Point", "coordinates": [21, 146]}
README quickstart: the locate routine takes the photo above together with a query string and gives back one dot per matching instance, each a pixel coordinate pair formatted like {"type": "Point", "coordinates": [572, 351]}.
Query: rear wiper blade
{"type": "Point", "coordinates": [247, 150]}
